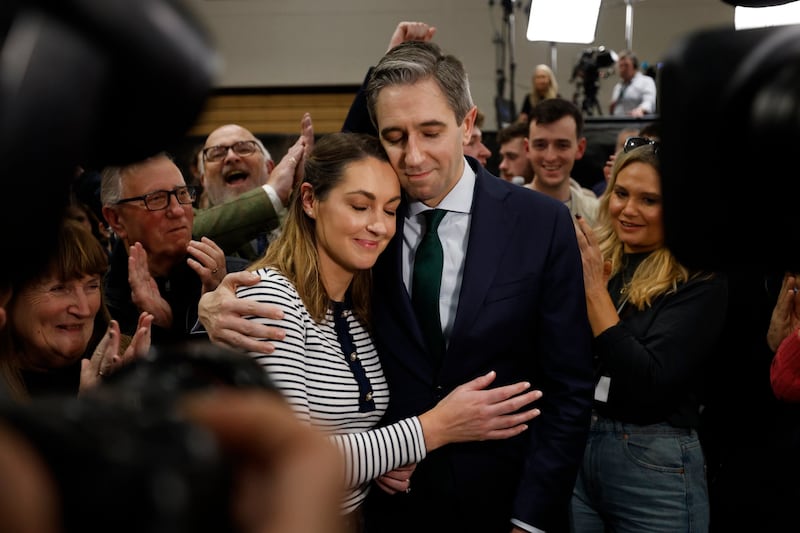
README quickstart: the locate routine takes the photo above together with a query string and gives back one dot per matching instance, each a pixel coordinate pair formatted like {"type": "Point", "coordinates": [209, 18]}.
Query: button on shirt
{"type": "Point", "coordinates": [453, 234]}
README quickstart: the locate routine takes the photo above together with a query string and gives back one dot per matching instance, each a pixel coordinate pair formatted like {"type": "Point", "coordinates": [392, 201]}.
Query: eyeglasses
{"type": "Point", "coordinates": [212, 154]}
{"type": "Point", "coordinates": [158, 200]}
{"type": "Point", "coordinates": [636, 142]}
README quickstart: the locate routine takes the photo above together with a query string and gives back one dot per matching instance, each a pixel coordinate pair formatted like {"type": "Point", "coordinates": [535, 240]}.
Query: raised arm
{"type": "Point", "coordinates": [223, 316]}
{"type": "Point", "coordinates": [411, 31]}
{"type": "Point", "coordinates": [786, 313]}
{"type": "Point", "coordinates": [234, 223]}
{"type": "Point", "coordinates": [358, 119]}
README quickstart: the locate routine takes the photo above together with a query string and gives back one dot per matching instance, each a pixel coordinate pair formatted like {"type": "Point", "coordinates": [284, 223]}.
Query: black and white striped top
{"type": "Point", "coordinates": [340, 391]}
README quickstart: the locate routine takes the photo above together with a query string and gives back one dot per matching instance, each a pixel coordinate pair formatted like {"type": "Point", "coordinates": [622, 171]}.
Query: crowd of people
{"type": "Point", "coordinates": [454, 350]}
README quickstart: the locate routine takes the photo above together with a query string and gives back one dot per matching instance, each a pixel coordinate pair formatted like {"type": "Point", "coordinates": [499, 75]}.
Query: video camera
{"type": "Point", "coordinates": [124, 456]}
{"type": "Point", "coordinates": [730, 118]}
{"type": "Point", "coordinates": [92, 83]}
{"type": "Point", "coordinates": [587, 72]}
{"type": "Point", "coordinates": [88, 83]}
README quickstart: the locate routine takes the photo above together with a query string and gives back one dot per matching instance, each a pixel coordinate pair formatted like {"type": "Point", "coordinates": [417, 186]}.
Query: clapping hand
{"type": "Point", "coordinates": [786, 314]}
{"type": "Point", "coordinates": [106, 358]}
{"type": "Point", "coordinates": [289, 171]}
{"type": "Point", "coordinates": [208, 260]}
{"type": "Point", "coordinates": [144, 289]}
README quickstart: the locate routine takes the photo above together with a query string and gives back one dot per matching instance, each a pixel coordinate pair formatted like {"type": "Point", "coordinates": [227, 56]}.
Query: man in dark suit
{"type": "Point", "coordinates": [511, 300]}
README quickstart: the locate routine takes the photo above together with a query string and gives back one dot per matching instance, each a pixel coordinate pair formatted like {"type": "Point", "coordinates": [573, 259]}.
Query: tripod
{"type": "Point", "coordinates": [591, 80]}
{"type": "Point", "coordinates": [586, 75]}
{"type": "Point", "coordinates": [505, 109]}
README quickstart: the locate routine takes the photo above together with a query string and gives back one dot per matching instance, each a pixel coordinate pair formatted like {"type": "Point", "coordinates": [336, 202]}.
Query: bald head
{"type": "Point", "coordinates": [233, 162]}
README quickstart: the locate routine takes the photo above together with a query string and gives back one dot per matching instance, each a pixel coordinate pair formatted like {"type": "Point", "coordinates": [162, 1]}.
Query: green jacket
{"type": "Point", "coordinates": [234, 224]}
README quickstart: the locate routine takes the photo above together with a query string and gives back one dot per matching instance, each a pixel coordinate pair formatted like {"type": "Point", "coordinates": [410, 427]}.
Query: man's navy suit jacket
{"type": "Point", "coordinates": [522, 313]}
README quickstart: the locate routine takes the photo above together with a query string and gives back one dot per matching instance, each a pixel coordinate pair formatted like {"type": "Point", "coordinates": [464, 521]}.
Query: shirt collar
{"type": "Point", "coordinates": [459, 199]}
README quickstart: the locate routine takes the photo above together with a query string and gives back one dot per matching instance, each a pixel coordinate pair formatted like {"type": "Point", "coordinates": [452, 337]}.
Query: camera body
{"type": "Point", "coordinates": [587, 72]}
{"type": "Point", "coordinates": [124, 458]}
{"type": "Point", "coordinates": [730, 117]}
{"type": "Point", "coordinates": [88, 83]}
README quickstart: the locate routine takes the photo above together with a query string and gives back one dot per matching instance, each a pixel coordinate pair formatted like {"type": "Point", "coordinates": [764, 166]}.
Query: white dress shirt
{"type": "Point", "coordinates": [640, 92]}
{"type": "Point", "coordinates": [453, 233]}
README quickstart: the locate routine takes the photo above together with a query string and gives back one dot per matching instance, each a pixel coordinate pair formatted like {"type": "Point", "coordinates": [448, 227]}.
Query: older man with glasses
{"type": "Point", "coordinates": [235, 165]}
{"type": "Point", "coordinates": [155, 266]}
{"type": "Point", "coordinates": [233, 162]}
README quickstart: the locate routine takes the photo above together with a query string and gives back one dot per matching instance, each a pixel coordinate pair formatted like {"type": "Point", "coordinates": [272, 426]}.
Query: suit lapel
{"type": "Point", "coordinates": [390, 276]}
{"type": "Point", "coordinates": [396, 307]}
{"type": "Point", "coordinates": [490, 233]}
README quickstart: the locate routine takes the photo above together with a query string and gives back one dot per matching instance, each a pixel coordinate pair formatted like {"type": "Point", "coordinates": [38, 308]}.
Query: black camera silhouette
{"type": "Point", "coordinates": [88, 83]}
{"type": "Point", "coordinates": [123, 455]}
{"type": "Point", "coordinates": [730, 115]}
{"type": "Point", "coordinates": [587, 72]}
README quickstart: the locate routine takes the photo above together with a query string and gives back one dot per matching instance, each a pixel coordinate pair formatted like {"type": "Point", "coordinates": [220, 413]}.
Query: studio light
{"type": "Point", "coordinates": [563, 21]}
{"type": "Point", "coordinates": [761, 17]}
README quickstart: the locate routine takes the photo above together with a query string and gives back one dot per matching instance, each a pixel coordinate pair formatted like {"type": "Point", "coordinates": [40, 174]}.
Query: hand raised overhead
{"type": "Point", "coordinates": [411, 31]}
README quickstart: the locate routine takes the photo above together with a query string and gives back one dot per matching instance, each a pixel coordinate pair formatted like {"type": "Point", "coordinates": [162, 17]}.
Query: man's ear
{"type": "Point", "coordinates": [5, 297]}
{"type": "Point", "coordinates": [270, 165]}
{"type": "Point", "coordinates": [469, 123]}
{"type": "Point", "coordinates": [581, 148]}
{"type": "Point", "coordinates": [114, 221]}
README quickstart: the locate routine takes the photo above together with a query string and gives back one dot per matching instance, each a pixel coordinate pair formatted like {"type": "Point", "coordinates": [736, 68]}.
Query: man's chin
{"type": "Point", "coordinates": [176, 246]}
{"type": "Point", "coordinates": [554, 181]}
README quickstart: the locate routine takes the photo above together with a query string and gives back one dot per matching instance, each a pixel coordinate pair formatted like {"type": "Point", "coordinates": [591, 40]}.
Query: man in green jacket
{"type": "Point", "coordinates": [245, 188]}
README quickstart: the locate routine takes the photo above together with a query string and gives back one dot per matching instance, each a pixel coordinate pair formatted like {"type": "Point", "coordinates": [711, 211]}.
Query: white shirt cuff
{"type": "Point", "coordinates": [280, 210]}
{"type": "Point", "coordinates": [527, 527]}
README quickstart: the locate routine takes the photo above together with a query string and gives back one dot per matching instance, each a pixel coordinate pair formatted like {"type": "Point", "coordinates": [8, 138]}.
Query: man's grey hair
{"type": "Point", "coordinates": [414, 61]}
{"type": "Point", "coordinates": [111, 179]}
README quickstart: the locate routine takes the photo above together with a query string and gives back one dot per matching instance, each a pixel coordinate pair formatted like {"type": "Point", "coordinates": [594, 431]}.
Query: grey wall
{"type": "Point", "coordinates": [280, 43]}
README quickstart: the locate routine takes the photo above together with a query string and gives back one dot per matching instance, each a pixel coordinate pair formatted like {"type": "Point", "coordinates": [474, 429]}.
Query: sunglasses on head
{"type": "Point", "coordinates": [636, 142]}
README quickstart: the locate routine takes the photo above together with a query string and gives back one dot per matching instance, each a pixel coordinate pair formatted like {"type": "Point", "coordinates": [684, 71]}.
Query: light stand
{"type": "Point", "coordinates": [505, 108]}
{"type": "Point", "coordinates": [508, 9]}
{"type": "Point", "coordinates": [568, 21]}
{"type": "Point", "coordinates": [629, 24]}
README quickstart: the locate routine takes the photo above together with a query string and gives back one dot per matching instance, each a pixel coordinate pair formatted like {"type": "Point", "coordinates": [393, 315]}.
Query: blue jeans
{"type": "Point", "coordinates": [640, 478]}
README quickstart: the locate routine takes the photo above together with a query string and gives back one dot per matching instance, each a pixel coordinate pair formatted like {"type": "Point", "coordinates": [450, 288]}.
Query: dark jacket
{"type": "Point", "coordinates": [522, 313]}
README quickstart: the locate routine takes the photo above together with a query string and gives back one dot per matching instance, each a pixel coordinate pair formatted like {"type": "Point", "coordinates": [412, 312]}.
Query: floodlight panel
{"type": "Point", "coordinates": [563, 21]}
{"type": "Point", "coordinates": [761, 17]}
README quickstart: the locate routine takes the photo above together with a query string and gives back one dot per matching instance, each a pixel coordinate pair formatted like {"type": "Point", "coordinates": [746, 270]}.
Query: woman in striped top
{"type": "Point", "coordinates": [341, 217]}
